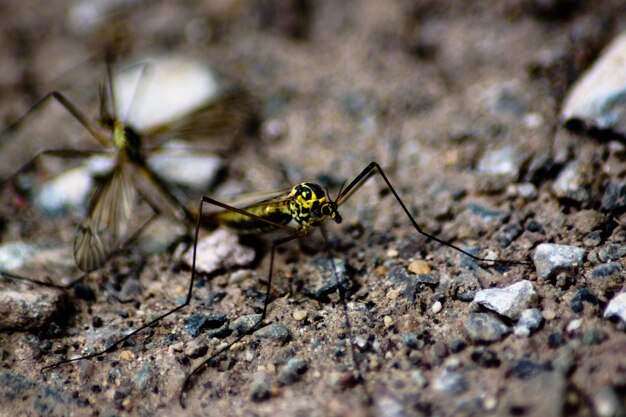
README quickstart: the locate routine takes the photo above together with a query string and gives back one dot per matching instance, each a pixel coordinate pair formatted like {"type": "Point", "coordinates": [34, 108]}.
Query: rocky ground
{"type": "Point", "coordinates": [462, 103]}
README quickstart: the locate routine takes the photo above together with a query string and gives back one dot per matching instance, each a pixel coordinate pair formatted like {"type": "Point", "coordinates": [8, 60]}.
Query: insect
{"type": "Point", "coordinates": [307, 205]}
{"type": "Point", "coordinates": [106, 225]}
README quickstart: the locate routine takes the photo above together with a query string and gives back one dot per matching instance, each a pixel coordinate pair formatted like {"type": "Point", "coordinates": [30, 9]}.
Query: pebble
{"type": "Point", "coordinates": [29, 310]}
{"type": "Point", "coordinates": [261, 388]}
{"type": "Point", "coordinates": [197, 171]}
{"type": "Point", "coordinates": [614, 197]}
{"type": "Point", "coordinates": [483, 213]}
{"type": "Point", "coordinates": [509, 301]}
{"type": "Point", "coordinates": [607, 403]}
{"type": "Point", "coordinates": [572, 183]}
{"type": "Point", "coordinates": [450, 382]}
{"type": "Point", "coordinates": [292, 371]}
{"type": "Point", "coordinates": [612, 252]}
{"type": "Point", "coordinates": [527, 191]}
{"type": "Point", "coordinates": [550, 258]}
{"type": "Point", "coordinates": [15, 255]}
{"type": "Point", "coordinates": [596, 99]}
{"type": "Point", "coordinates": [465, 286]}
{"type": "Point", "coordinates": [274, 331]}
{"type": "Point", "coordinates": [525, 368]}
{"type": "Point", "coordinates": [299, 315]}
{"type": "Point", "coordinates": [582, 295]}
{"type": "Point", "coordinates": [173, 87]}
{"type": "Point", "coordinates": [606, 271]}
{"type": "Point", "coordinates": [333, 272]}
{"type": "Point", "coordinates": [529, 320]}
{"type": "Point", "coordinates": [196, 349]}
{"type": "Point", "coordinates": [436, 308]}
{"type": "Point", "coordinates": [245, 323]}
{"type": "Point", "coordinates": [127, 355]}
{"type": "Point", "coordinates": [509, 234]}
{"type": "Point", "coordinates": [503, 162]}
{"type": "Point", "coordinates": [574, 325]}
{"type": "Point", "coordinates": [617, 307]}
{"type": "Point", "coordinates": [65, 193]}
{"type": "Point", "coordinates": [220, 250]}
{"type": "Point", "coordinates": [388, 321]}
{"type": "Point", "coordinates": [419, 267]}
{"type": "Point", "coordinates": [483, 327]}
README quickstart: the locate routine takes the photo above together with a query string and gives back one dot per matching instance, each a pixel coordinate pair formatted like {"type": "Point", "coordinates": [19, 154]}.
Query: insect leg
{"type": "Point", "coordinates": [200, 368]}
{"type": "Point", "coordinates": [372, 168]}
{"type": "Point", "coordinates": [59, 153]}
{"type": "Point", "coordinates": [71, 108]}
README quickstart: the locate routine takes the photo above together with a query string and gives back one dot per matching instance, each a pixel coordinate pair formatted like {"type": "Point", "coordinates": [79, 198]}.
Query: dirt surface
{"type": "Point", "coordinates": [430, 90]}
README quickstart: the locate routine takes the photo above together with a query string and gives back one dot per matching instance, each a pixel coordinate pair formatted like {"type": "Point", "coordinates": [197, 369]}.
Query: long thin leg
{"type": "Point", "coordinates": [189, 290]}
{"type": "Point", "coordinates": [200, 368]}
{"type": "Point", "coordinates": [71, 108]}
{"type": "Point", "coordinates": [368, 171]}
{"type": "Point", "coordinates": [58, 153]}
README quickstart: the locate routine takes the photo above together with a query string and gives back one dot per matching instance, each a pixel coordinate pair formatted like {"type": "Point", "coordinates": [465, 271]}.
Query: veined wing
{"type": "Point", "coordinates": [221, 119]}
{"type": "Point", "coordinates": [108, 216]}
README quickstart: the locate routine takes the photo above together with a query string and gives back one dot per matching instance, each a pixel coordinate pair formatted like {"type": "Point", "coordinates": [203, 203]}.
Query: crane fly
{"type": "Point", "coordinates": [307, 205]}
{"type": "Point", "coordinates": [106, 225]}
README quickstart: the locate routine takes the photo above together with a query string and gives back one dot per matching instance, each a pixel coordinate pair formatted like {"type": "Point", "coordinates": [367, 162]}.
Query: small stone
{"type": "Point", "coordinates": [607, 403]}
{"type": "Point", "coordinates": [509, 301]}
{"type": "Point", "coordinates": [587, 220]}
{"type": "Point", "coordinates": [219, 250]}
{"type": "Point", "coordinates": [335, 277]}
{"type": "Point", "coordinates": [614, 197]}
{"type": "Point", "coordinates": [450, 382]}
{"type": "Point", "coordinates": [612, 252]}
{"type": "Point", "coordinates": [197, 171]}
{"type": "Point", "coordinates": [483, 327]}
{"type": "Point", "coordinates": [299, 315]}
{"type": "Point", "coordinates": [509, 234]}
{"type": "Point", "coordinates": [574, 325]}
{"type": "Point", "coordinates": [66, 193]}
{"type": "Point", "coordinates": [606, 271]}
{"type": "Point", "coordinates": [572, 183]}
{"type": "Point", "coordinates": [550, 259]}
{"type": "Point", "coordinates": [527, 191]}
{"type": "Point", "coordinates": [274, 331]}
{"type": "Point", "coordinates": [529, 320]}
{"type": "Point", "coordinates": [127, 355]}
{"type": "Point", "coordinates": [245, 324]}
{"type": "Point", "coordinates": [261, 388]}
{"type": "Point", "coordinates": [548, 314]}
{"type": "Point", "coordinates": [592, 239]}
{"type": "Point", "coordinates": [388, 321]}
{"type": "Point", "coordinates": [582, 295]}
{"type": "Point", "coordinates": [436, 308]}
{"type": "Point", "coordinates": [419, 267]}
{"type": "Point", "coordinates": [465, 286]}
{"type": "Point", "coordinates": [617, 307]}
{"type": "Point", "coordinates": [292, 371]}
{"type": "Point", "coordinates": [392, 253]}
{"type": "Point", "coordinates": [196, 349]}
{"type": "Point", "coordinates": [526, 368]}
{"type": "Point", "coordinates": [501, 162]}
{"type": "Point", "coordinates": [596, 99]}
{"type": "Point", "coordinates": [29, 310]}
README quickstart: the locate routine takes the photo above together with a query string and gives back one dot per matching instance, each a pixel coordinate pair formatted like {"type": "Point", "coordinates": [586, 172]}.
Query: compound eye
{"type": "Point", "coordinates": [326, 210]}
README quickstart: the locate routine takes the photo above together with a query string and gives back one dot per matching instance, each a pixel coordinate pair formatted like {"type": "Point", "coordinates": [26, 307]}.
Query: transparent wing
{"type": "Point", "coordinates": [107, 220]}
{"type": "Point", "coordinates": [220, 120]}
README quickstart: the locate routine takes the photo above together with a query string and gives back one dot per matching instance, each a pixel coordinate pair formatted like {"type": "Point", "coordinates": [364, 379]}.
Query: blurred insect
{"type": "Point", "coordinates": [106, 225]}
{"type": "Point", "coordinates": [306, 204]}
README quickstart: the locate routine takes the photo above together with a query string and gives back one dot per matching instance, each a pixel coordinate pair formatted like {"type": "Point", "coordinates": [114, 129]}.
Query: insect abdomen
{"type": "Point", "coordinates": [242, 224]}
